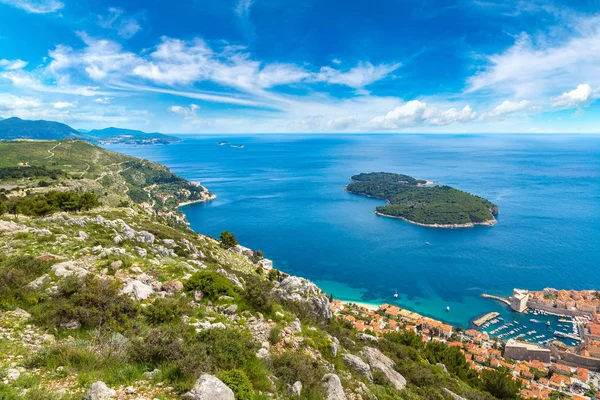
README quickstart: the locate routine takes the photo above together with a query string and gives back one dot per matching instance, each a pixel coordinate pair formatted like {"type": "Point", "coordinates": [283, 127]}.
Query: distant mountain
{"type": "Point", "coordinates": [16, 128]}
{"type": "Point", "coordinates": [117, 134]}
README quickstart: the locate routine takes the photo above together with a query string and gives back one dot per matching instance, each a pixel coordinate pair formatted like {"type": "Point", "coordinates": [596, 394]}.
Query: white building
{"type": "Point", "coordinates": [519, 299]}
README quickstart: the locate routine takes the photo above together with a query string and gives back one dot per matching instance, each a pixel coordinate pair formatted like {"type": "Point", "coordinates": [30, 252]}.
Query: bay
{"type": "Point", "coordinates": [284, 194]}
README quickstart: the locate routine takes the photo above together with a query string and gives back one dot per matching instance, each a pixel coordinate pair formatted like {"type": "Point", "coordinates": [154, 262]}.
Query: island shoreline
{"type": "Point", "coordinates": [491, 222]}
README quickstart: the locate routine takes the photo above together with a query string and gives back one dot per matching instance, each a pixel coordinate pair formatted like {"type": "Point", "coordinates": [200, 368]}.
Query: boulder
{"type": "Point", "coordinates": [116, 264]}
{"type": "Point", "coordinates": [99, 391]}
{"type": "Point", "coordinates": [332, 386]}
{"type": "Point", "coordinates": [383, 364]}
{"type": "Point", "coordinates": [141, 252]}
{"type": "Point", "coordinates": [82, 235]}
{"type": "Point", "coordinates": [72, 324]}
{"type": "Point", "coordinates": [300, 291]}
{"type": "Point", "coordinates": [144, 237]}
{"type": "Point", "coordinates": [296, 388]}
{"type": "Point", "coordinates": [358, 365]}
{"type": "Point", "coordinates": [170, 243]}
{"type": "Point", "coordinates": [20, 313]}
{"type": "Point", "coordinates": [13, 374]}
{"type": "Point", "coordinates": [138, 290]}
{"type": "Point", "coordinates": [173, 286]}
{"type": "Point", "coordinates": [117, 239]}
{"type": "Point", "coordinates": [209, 387]}
{"type": "Point", "coordinates": [36, 283]}
{"type": "Point", "coordinates": [452, 395]}
{"type": "Point", "coordinates": [69, 268]}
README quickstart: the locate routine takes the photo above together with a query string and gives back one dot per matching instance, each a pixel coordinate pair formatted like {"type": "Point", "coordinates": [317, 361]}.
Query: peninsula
{"type": "Point", "coordinates": [422, 203]}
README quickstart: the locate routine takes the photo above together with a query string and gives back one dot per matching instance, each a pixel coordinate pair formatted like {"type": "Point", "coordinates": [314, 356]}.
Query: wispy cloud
{"type": "Point", "coordinates": [242, 8]}
{"type": "Point", "coordinates": [125, 26]}
{"type": "Point", "coordinates": [9, 65]}
{"type": "Point", "coordinates": [36, 6]}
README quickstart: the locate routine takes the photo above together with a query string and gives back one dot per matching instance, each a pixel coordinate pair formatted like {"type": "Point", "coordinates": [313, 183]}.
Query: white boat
{"type": "Point", "coordinates": [396, 295]}
{"type": "Point", "coordinates": [448, 308]}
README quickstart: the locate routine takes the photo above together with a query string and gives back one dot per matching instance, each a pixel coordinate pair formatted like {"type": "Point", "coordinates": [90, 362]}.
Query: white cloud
{"type": "Point", "coordinates": [188, 112]}
{"type": "Point", "coordinates": [342, 123]}
{"type": "Point", "coordinates": [62, 104]}
{"type": "Point", "coordinates": [102, 100]}
{"type": "Point", "coordinates": [415, 113]}
{"type": "Point", "coordinates": [36, 6]}
{"type": "Point", "coordinates": [575, 98]}
{"type": "Point", "coordinates": [9, 65]}
{"type": "Point", "coordinates": [242, 8]}
{"type": "Point", "coordinates": [358, 77]}
{"type": "Point", "coordinates": [29, 80]}
{"type": "Point", "coordinates": [506, 108]}
{"type": "Point", "coordinates": [536, 67]}
{"type": "Point", "coordinates": [126, 27]}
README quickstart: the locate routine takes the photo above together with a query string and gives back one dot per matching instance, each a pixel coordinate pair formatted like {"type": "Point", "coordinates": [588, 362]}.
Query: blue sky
{"type": "Point", "coordinates": [253, 66]}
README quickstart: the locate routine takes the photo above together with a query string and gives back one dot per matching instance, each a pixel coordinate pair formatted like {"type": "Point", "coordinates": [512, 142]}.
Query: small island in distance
{"type": "Point", "coordinates": [418, 202]}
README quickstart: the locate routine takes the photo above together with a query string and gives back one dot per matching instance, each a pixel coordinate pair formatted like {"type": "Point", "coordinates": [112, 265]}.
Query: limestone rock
{"type": "Point", "coordinates": [36, 283]}
{"type": "Point", "coordinates": [381, 363]}
{"type": "Point", "coordinates": [116, 264]}
{"type": "Point", "coordinates": [145, 237]}
{"type": "Point", "coordinates": [20, 313]}
{"type": "Point", "coordinates": [296, 388]}
{"type": "Point", "coordinates": [99, 391]}
{"type": "Point", "coordinates": [138, 290]}
{"type": "Point", "coordinates": [332, 386]}
{"type": "Point", "coordinates": [297, 290]}
{"type": "Point", "coordinates": [72, 324]}
{"type": "Point", "coordinates": [173, 286]}
{"type": "Point", "coordinates": [209, 387]}
{"type": "Point", "coordinates": [358, 365]}
{"type": "Point", "coordinates": [69, 268]}
{"type": "Point", "coordinates": [13, 374]}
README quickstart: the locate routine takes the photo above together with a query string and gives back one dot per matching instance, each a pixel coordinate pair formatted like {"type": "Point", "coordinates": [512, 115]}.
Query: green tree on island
{"type": "Point", "coordinates": [228, 240]}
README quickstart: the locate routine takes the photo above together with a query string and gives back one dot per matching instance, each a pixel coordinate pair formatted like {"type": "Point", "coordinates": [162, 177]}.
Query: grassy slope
{"type": "Point", "coordinates": [113, 176]}
{"type": "Point", "coordinates": [425, 205]}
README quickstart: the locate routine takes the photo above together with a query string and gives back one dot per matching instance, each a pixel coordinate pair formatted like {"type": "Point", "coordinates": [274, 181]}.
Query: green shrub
{"type": "Point", "coordinates": [165, 310]}
{"type": "Point", "coordinates": [274, 335]}
{"type": "Point", "coordinates": [237, 381]}
{"type": "Point", "coordinates": [228, 348]}
{"type": "Point", "coordinates": [94, 302]}
{"type": "Point", "coordinates": [212, 284]}
{"type": "Point", "coordinates": [15, 274]}
{"type": "Point", "coordinates": [290, 367]}
{"type": "Point", "coordinates": [257, 294]}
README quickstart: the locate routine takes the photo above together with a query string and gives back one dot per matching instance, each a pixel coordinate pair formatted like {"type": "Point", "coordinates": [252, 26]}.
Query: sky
{"type": "Point", "coordinates": [275, 66]}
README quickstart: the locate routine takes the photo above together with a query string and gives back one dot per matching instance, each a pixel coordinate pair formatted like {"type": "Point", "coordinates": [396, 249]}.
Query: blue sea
{"type": "Point", "coordinates": [284, 194]}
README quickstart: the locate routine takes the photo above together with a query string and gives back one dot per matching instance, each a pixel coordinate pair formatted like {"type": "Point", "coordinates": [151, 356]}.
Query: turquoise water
{"type": "Point", "coordinates": [285, 194]}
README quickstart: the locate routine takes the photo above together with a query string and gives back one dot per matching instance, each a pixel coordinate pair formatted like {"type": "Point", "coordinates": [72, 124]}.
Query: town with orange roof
{"type": "Point", "coordinates": [539, 379]}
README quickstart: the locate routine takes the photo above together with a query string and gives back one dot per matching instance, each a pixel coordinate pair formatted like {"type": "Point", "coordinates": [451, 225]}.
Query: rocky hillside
{"type": "Point", "coordinates": [112, 302]}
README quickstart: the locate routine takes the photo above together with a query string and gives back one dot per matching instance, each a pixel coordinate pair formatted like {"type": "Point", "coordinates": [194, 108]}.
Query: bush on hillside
{"type": "Point", "coordinates": [212, 284]}
{"type": "Point", "coordinates": [93, 301]}
{"type": "Point", "coordinates": [15, 274]}
{"type": "Point", "coordinates": [238, 381]}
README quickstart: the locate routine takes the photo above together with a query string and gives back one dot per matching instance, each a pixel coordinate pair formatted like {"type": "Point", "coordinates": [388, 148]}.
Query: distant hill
{"type": "Point", "coordinates": [118, 134]}
{"type": "Point", "coordinates": [16, 128]}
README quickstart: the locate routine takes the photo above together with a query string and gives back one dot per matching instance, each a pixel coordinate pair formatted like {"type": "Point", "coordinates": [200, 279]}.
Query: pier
{"type": "Point", "coordinates": [482, 320]}
{"type": "Point", "coordinates": [491, 296]}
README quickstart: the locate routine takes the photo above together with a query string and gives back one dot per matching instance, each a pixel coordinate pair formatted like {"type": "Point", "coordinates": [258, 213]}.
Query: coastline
{"type": "Point", "coordinates": [368, 306]}
{"type": "Point", "coordinates": [491, 222]}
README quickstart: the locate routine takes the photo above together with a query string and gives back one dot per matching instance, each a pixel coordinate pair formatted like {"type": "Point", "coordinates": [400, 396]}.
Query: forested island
{"type": "Point", "coordinates": [419, 202]}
